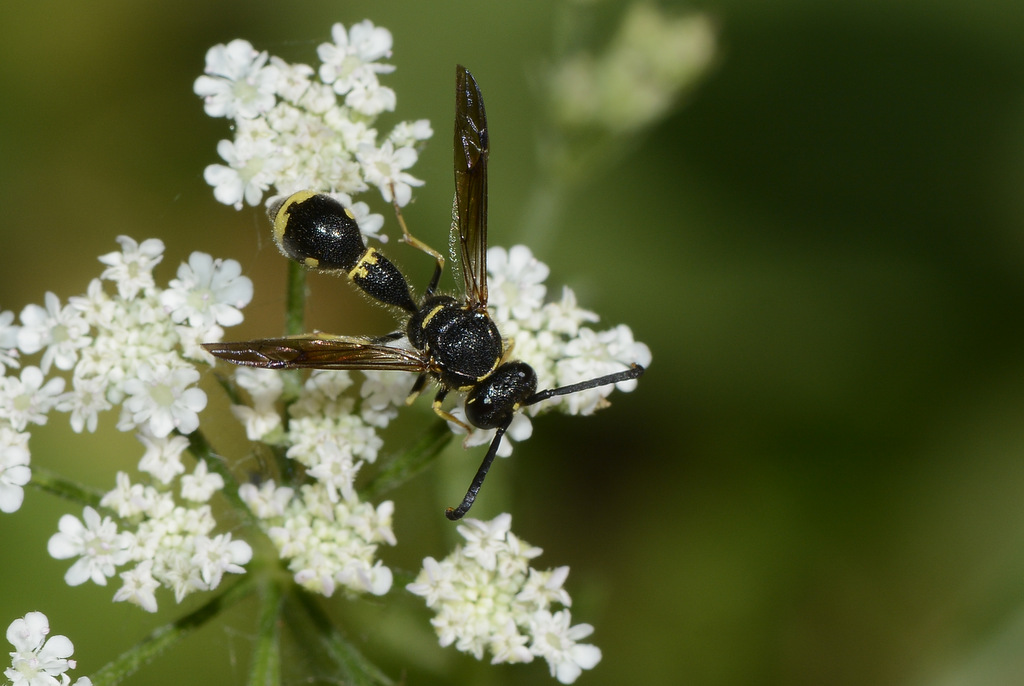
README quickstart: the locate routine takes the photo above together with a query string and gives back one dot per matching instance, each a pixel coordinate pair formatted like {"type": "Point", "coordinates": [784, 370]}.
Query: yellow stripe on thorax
{"type": "Point", "coordinates": [430, 315]}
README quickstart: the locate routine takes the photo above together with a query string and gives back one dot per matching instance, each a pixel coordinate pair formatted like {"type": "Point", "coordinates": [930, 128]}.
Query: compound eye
{"type": "Point", "coordinates": [485, 411]}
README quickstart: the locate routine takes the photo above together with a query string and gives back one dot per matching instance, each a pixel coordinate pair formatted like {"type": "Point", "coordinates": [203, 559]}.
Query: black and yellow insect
{"type": "Point", "coordinates": [455, 343]}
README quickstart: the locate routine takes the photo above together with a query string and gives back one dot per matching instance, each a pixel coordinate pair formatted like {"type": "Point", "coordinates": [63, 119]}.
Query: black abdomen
{"type": "Point", "coordinates": [316, 230]}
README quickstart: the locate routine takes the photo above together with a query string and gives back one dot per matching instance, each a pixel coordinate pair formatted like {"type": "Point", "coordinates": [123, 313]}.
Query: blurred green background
{"type": "Point", "coordinates": [821, 478]}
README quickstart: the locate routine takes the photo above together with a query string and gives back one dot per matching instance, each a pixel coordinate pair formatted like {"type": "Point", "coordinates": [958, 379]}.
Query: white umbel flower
{"type": "Point", "coordinates": [558, 643]}
{"type": "Point", "coordinates": [8, 340]}
{"type": "Point", "coordinates": [298, 128]}
{"type": "Point", "coordinates": [132, 268]}
{"type": "Point", "coordinates": [39, 659]}
{"type": "Point", "coordinates": [384, 167]}
{"type": "Point", "coordinates": [139, 587]}
{"type": "Point", "coordinates": [351, 60]}
{"type": "Point", "coordinates": [487, 599]}
{"type": "Point", "coordinates": [238, 81]}
{"type": "Point", "coordinates": [27, 398]}
{"type": "Point", "coordinates": [327, 544]}
{"type": "Point", "coordinates": [201, 484]}
{"type": "Point", "coordinates": [61, 331]}
{"type": "Point", "coordinates": [97, 543]}
{"type": "Point", "coordinates": [207, 291]}
{"type": "Point", "coordinates": [161, 399]}
{"type": "Point", "coordinates": [14, 469]}
{"type": "Point", "coordinates": [555, 338]}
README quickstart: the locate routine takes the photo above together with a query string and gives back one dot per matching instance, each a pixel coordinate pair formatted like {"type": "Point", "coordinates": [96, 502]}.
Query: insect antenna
{"type": "Point", "coordinates": [633, 372]}
{"type": "Point", "coordinates": [456, 513]}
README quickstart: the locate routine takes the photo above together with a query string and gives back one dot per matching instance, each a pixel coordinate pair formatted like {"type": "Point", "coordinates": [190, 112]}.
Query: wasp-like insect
{"type": "Point", "coordinates": [455, 343]}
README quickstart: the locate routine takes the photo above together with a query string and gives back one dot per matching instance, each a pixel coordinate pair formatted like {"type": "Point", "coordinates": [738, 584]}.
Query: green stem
{"type": "Point", "coordinates": [326, 641]}
{"type": "Point", "coordinates": [411, 462]}
{"type": "Point", "coordinates": [51, 482]}
{"type": "Point", "coordinates": [202, 450]}
{"type": "Point", "coordinates": [230, 388]}
{"type": "Point", "coordinates": [295, 305]}
{"type": "Point", "coordinates": [266, 658]}
{"type": "Point", "coordinates": [166, 636]}
{"type": "Point", "coordinates": [294, 324]}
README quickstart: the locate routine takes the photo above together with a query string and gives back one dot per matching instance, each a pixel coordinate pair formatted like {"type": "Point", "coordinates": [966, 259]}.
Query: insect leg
{"type": "Point", "coordinates": [455, 513]}
{"type": "Point", "coordinates": [417, 387]}
{"type": "Point", "coordinates": [445, 415]}
{"type": "Point", "coordinates": [633, 372]}
{"type": "Point", "coordinates": [387, 338]}
{"type": "Point", "coordinates": [419, 245]}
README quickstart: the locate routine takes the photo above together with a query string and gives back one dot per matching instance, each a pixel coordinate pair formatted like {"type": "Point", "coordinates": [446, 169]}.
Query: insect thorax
{"type": "Point", "coordinates": [464, 344]}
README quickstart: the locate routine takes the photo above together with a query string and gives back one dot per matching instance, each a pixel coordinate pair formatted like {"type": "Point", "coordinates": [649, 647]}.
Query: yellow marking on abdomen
{"type": "Point", "coordinates": [284, 213]}
{"type": "Point", "coordinates": [362, 268]}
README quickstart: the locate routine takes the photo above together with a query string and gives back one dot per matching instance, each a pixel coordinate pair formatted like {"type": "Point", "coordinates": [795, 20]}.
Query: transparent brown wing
{"type": "Point", "coordinates": [318, 351]}
{"type": "Point", "coordinates": [469, 213]}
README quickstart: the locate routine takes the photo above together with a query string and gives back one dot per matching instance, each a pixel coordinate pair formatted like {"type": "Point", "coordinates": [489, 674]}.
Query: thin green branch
{"type": "Point", "coordinates": [51, 482]}
{"type": "Point", "coordinates": [294, 324]}
{"type": "Point", "coordinates": [410, 463]}
{"type": "Point", "coordinates": [320, 634]}
{"type": "Point", "coordinates": [166, 636]}
{"type": "Point", "coordinates": [202, 450]}
{"type": "Point", "coordinates": [230, 388]}
{"type": "Point", "coordinates": [295, 304]}
{"type": "Point", "coordinates": [266, 658]}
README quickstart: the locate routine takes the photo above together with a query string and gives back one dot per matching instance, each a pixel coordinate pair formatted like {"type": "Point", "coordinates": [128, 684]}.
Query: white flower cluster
{"type": "Point", "coordinates": [131, 349]}
{"type": "Point", "coordinates": [488, 598]}
{"type": "Point", "coordinates": [295, 132]}
{"type": "Point", "coordinates": [172, 544]}
{"type": "Point", "coordinates": [136, 348]}
{"type": "Point", "coordinates": [553, 338]}
{"type": "Point", "coordinates": [653, 59]}
{"type": "Point", "coordinates": [37, 660]}
{"type": "Point", "coordinates": [327, 535]}
{"type": "Point", "coordinates": [327, 543]}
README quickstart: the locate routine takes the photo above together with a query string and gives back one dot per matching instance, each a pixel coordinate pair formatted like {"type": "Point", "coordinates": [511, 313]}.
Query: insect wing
{"type": "Point", "coordinates": [318, 351]}
{"type": "Point", "coordinates": [469, 214]}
